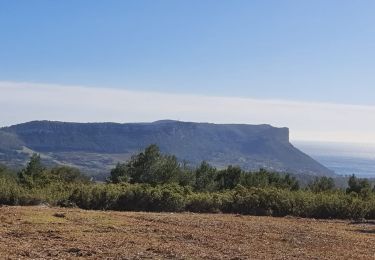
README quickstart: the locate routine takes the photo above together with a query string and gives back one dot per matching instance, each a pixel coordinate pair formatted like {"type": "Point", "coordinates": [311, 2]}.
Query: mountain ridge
{"type": "Point", "coordinates": [249, 146]}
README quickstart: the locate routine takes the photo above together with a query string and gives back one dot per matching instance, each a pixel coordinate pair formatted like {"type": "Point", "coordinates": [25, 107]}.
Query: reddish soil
{"type": "Point", "coordinates": [58, 233]}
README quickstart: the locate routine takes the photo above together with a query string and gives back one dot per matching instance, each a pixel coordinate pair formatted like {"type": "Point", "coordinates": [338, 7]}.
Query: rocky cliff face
{"type": "Point", "coordinates": [249, 146]}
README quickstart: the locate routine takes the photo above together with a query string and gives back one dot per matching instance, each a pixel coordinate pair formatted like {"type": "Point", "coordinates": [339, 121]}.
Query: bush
{"type": "Point", "coordinates": [174, 198]}
{"type": "Point", "coordinates": [10, 192]}
{"type": "Point", "coordinates": [205, 202]}
{"type": "Point", "coordinates": [230, 190]}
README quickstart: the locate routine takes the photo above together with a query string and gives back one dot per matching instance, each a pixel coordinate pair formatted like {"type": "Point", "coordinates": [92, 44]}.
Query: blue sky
{"type": "Point", "coordinates": [306, 65]}
{"type": "Point", "coordinates": [316, 51]}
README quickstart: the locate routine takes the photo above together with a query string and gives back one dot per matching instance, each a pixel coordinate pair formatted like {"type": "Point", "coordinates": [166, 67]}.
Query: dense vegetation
{"type": "Point", "coordinates": [152, 181]}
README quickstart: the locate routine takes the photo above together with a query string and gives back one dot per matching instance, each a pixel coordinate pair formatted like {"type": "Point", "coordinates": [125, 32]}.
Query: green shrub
{"type": "Point", "coordinates": [261, 193]}
{"type": "Point", "coordinates": [205, 202]}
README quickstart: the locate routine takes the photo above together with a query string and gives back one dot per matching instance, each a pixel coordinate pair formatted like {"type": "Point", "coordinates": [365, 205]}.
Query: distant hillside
{"type": "Point", "coordinates": [95, 147]}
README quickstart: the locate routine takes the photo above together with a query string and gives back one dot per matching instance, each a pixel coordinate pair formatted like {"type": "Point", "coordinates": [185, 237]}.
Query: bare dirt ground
{"type": "Point", "coordinates": [56, 233]}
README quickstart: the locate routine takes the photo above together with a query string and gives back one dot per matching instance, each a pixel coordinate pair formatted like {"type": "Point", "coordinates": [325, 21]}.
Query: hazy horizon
{"type": "Point", "coordinates": [343, 158]}
{"type": "Point", "coordinates": [307, 121]}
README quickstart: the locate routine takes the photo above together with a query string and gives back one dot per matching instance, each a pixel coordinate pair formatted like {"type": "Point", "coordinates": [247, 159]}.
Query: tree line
{"type": "Point", "coordinates": [153, 167]}
{"type": "Point", "coordinates": [153, 181]}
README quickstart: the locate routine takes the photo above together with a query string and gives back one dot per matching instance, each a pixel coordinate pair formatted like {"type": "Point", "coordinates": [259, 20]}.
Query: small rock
{"type": "Point", "coordinates": [59, 215]}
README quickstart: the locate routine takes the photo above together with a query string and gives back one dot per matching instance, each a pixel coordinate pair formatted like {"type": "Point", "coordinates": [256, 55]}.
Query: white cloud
{"type": "Point", "coordinates": [21, 102]}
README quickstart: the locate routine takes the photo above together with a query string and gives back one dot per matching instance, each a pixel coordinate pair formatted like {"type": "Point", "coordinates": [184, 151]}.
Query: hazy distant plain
{"type": "Point", "coordinates": [344, 159]}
